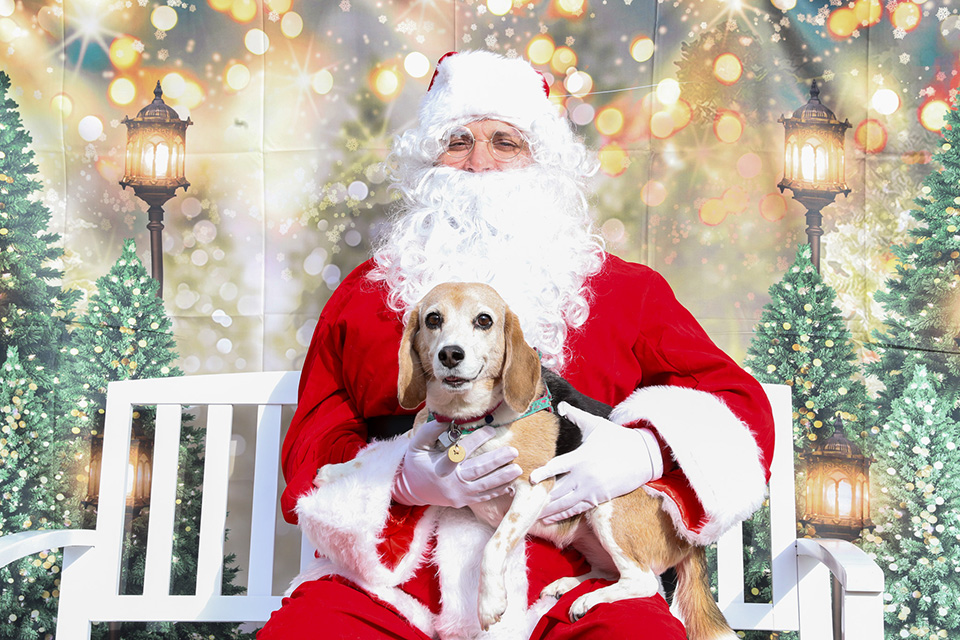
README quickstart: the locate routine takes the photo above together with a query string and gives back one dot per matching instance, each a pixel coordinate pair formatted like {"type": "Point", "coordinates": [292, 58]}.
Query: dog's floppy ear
{"type": "Point", "coordinates": [411, 383]}
{"type": "Point", "coordinates": [521, 368]}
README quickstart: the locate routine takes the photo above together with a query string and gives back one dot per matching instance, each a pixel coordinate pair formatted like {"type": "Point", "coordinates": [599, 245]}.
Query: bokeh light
{"type": "Point", "coordinates": [870, 136]}
{"type": "Point", "coordinates": [257, 42]}
{"type": "Point", "coordinates": [243, 10]}
{"type": "Point", "coordinates": [499, 7]}
{"type": "Point", "coordinates": [727, 68]}
{"type": "Point", "coordinates": [291, 24]}
{"type": "Point", "coordinates": [749, 165]}
{"type": "Point", "coordinates": [416, 64]}
{"type": "Point", "coordinates": [578, 83]}
{"type": "Point", "coordinates": [386, 83]}
{"type": "Point", "coordinates": [582, 114]}
{"type": "Point", "coordinates": [933, 114]}
{"type": "Point", "coordinates": [773, 206]}
{"type": "Point", "coordinates": [668, 91]}
{"type": "Point", "coordinates": [164, 18]}
{"type": "Point", "coordinates": [90, 128]}
{"type": "Point", "coordinates": [173, 85]}
{"type": "Point", "coordinates": [641, 49]}
{"type": "Point", "coordinates": [123, 52]}
{"type": "Point", "coordinates": [681, 113]}
{"type": "Point", "coordinates": [613, 159]}
{"type": "Point", "coordinates": [7, 7]}
{"type": "Point", "coordinates": [237, 76]}
{"type": "Point", "coordinates": [49, 19]}
{"type": "Point", "coordinates": [609, 121]}
{"type": "Point", "coordinates": [280, 6]}
{"type": "Point", "coordinates": [727, 126]}
{"type": "Point", "coordinates": [613, 231]}
{"type": "Point", "coordinates": [220, 5]}
{"type": "Point", "coordinates": [122, 91]}
{"type": "Point", "coordinates": [906, 16]}
{"type": "Point", "coordinates": [191, 98]}
{"type": "Point", "coordinates": [662, 124]}
{"type": "Point", "coordinates": [868, 12]}
{"type": "Point", "coordinates": [63, 104]}
{"type": "Point", "coordinates": [842, 22]}
{"type": "Point", "coordinates": [784, 5]}
{"type": "Point", "coordinates": [540, 50]}
{"type": "Point", "coordinates": [562, 59]}
{"type": "Point", "coordinates": [712, 212]}
{"type": "Point", "coordinates": [570, 8]}
{"type": "Point", "coordinates": [322, 82]}
{"type": "Point", "coordinates": [653, 193]}
{"type": "Point", "coordinates": [885, 101]}
{"type": "Point", "coordinates": [9, 30]}
{"type": "Point", "coordinates": [735, 199]}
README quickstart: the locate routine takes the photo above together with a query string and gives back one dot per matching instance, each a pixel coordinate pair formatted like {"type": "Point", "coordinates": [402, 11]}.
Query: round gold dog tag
{"type": "Point", "coordinates": [456, 453]}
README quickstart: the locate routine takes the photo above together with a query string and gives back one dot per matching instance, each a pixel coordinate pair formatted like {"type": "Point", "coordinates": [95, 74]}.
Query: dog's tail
{"type": "Point", "coordinates": [694, 602]}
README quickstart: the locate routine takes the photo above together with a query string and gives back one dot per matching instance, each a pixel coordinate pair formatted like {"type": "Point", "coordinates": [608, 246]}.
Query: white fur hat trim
{"type": "Point", "coordinates": [470, 85]}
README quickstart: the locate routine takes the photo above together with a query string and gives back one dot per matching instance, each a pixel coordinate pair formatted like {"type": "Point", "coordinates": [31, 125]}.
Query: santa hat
{"type": "Point", "coordinates": [471, 85]}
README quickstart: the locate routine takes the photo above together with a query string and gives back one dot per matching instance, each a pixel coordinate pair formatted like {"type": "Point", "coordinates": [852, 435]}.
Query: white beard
{"type": "Point", "coordinates": [525, 232]}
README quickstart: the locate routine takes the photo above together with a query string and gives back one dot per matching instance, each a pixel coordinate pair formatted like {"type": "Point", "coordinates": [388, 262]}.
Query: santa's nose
{"type": "Point", "coordinates": [480, 159]}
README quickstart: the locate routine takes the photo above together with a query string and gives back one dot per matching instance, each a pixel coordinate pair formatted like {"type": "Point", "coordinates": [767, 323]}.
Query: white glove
{"type": "Point", "coordinates": [611, 461]}
{"type": "Point", "coordinates": [427, 475]}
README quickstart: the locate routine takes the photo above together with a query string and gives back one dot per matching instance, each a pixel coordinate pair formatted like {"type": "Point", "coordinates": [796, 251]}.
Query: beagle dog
{"type": "Point", "coordinates": [463, 353]}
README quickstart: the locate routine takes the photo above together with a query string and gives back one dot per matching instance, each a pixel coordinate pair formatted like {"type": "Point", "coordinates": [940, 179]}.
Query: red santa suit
{"type": "Point", "coordinates": [639, 351]}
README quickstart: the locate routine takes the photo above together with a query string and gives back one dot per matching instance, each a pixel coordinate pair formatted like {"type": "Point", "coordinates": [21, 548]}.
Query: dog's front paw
{"type": "Point", "coordinates": [580, 607]}
{"type": "Point", "coordinates": [558, 588]}
{"type": "Point", "coordinates": [493, 603]}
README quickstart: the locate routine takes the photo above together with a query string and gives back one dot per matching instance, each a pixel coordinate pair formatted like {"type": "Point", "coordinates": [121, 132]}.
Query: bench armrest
{"type": "Point", "coordinates": [854, 570]}
{"type": "Point", "coordinates": [27, 543]}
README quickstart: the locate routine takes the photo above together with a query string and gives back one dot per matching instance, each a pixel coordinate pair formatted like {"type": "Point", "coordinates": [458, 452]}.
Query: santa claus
{"type": "Point", "coordinates": [493, 186]}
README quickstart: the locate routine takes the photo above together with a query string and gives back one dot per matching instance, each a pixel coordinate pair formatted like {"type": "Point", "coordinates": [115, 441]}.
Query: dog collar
{"type": "Point", "coordinates": [459, 428]}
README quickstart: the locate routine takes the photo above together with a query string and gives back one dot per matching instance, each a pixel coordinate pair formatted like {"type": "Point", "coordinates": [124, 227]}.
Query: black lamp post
{"type": "Point", "coordinates": [153, 166]}
{"type": "Point", "coordinates": [813, 162]}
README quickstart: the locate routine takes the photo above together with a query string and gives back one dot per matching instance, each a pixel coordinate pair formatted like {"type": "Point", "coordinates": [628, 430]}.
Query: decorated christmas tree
{"type": "Point", "coordinates": [32, 453]}
{"type": "Point", "coordinates": [802, 341]}
{"type": "Point", "coordinates": [917, 538]}
{"type": "Point", "coordinates": [34, 310]}
{"type": "Point", "coordinates": [128, 335]}
{"type": "Point", "coordinates": [922, 323]}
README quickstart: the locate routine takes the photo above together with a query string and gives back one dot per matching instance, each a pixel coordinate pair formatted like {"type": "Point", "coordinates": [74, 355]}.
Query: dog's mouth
{"type": "Point", "coordinates": [453, 382]}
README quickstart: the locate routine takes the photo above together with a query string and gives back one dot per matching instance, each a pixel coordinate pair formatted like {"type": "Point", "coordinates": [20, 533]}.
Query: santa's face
{"type": "Point", "coordinates": [524, 229]}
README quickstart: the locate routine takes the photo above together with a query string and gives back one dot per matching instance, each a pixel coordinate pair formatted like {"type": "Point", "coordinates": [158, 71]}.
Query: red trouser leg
{"type": "Point", "coordinates": [334, 609]}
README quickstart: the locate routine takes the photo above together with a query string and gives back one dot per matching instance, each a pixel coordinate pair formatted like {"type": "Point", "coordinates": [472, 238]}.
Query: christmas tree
{"type": "Point", "coordinates": [128, 335]}
{"type": "Point", "coordinates": [917, 538]}
{"type": "Point", "coordinates": [802, 341]}
{"type": "Point", "coordinates": [34, 310]}
{"type": "Point", "coordinates": [31, 458]}
{"type": "Point", "coordinates": [922, 324]}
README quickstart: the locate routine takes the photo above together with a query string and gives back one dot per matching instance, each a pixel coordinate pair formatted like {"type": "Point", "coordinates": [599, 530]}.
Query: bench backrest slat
{"type": "Point", "coordinates": [163, 497]}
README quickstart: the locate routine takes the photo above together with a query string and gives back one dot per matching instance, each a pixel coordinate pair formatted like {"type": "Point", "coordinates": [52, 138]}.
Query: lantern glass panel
{"type": "Point", "coordinates": [830, 498]}
{"type": "Point", "coordinates": [162, 161]}
{"type": "Point", "coordinates": [845, 497]}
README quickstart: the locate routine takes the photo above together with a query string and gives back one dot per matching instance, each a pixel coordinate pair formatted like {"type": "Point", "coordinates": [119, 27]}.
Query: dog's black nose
{"type": "Point", "coordinates": [451, 356]}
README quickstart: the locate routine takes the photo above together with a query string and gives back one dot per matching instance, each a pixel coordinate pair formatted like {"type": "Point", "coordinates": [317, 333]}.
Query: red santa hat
{"type": "Point", "coordinates": [471, 85]}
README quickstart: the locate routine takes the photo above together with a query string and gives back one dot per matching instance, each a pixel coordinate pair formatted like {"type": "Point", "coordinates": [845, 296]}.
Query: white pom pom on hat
{"type": "Point", "coordinates": [471, 85]}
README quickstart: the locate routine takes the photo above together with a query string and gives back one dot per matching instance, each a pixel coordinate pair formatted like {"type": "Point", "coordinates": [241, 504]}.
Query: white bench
{"type": "Point", "coordinates": [89, 589]}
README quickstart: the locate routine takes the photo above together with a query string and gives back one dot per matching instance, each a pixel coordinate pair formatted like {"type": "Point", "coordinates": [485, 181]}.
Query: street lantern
{"type": "Point", "coordinates": [139, 471]}
{"type": "Point", "coordinates": [813, 167]}
{"type": "Point", "coordinates": [154, 166]}
{"type": "Point", "coordinates": [838, 488]}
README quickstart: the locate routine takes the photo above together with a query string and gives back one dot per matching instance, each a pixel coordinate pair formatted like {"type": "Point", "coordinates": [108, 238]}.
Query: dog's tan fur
{"type": "Point", "coordinates": [630, 536]}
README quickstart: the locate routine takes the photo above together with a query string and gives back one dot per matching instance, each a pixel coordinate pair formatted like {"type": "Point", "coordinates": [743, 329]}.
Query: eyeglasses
{"type": "Point", "coordinates": [505, 142]}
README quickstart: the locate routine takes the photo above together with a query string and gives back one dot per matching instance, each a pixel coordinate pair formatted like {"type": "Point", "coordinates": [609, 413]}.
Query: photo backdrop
{"type": "Point", "coordinates": [294, 104]}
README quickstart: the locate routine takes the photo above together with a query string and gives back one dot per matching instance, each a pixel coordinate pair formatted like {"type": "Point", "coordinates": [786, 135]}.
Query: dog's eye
{"type": "Point", "coordinates": [483, 321]}
{"type": "Point", "coordinates": [433, 320]}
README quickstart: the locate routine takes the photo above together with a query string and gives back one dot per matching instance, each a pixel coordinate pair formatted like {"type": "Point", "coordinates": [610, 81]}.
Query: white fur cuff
{"type": "Point", "coordinates": [713, 447]}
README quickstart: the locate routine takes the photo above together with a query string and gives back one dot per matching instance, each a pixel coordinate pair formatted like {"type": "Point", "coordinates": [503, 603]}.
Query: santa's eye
{"type": "Point", "coordinates": [433, 320]}
{"type": "Point", "coordinates": [483, 321]}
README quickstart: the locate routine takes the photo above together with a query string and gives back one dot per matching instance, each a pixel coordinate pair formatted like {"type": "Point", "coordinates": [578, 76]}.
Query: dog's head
{"type": "Point", "coordinates": [464, 349]}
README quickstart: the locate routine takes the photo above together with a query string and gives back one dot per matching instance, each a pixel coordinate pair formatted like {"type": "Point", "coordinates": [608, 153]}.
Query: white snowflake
{"type": "Point", "coordinates": [775, 37]}
{"type": "Point", "coordinates": [829, 75]}
{"type": "Point", "coordinates": [482, 9]}
{"type": "Point", "coordinates": [892, 4]}
{"type": "Point", "coordinates": [160, 34]}
{"type": "Point", "coordinates": [162, 55]}
{"type": "Point", "coordinates": [835, 3]}
{"type": "Point", "coordinates": [508, 32]}
{"type": "Point", "coordinates": [421, 39]}
{"type": "Point", "coordinates": [491, 41]}
{"type": "Point", "coordinates": [345, 5]}
{"type": "Point", "coordinates": [382, 19]}
{"type": "Point", "coordinates": [942, 13]}
{"type": "Point", "coordinates": [899, 33]}
{"type": "Point", "coordinates": [467, 38]}
{"type": "Point", "coordinates": [407, 26]}
{"type": "Point", "coordinates": [142, 3]}
{"type": "Point", "coordinates": [544, 28]}
{"type": "Point", "coordinates": [274, 16]}
{"type": "Point", "coordinates": [785, 21]}
{"type": "Point", "coordinates": [801, 17]}
{"type": "Point", "coordinates": [904, 58]}
{"type": "Point", "coordinates": [878, 79]}
{"type": "Point", "coordinates": [37, 94]}
{"type": "Point", "coordinates": [941, 76]}
{"type": "Point", "coordinates": [138, 46]}
{"type": "Point", "coordinates": [427, 27]}
{"type": "Point", "coordinates": [569, 41]}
